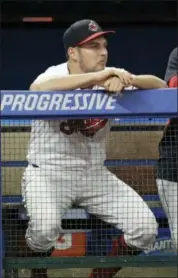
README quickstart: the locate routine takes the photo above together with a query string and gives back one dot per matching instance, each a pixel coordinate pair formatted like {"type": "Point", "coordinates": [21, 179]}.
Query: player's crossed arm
{"type": "Point", "coordinates": [112, 79]}
{"type": "Point", "coordinates": [51, 81]}
{"type": "Point", "coordinates": [115, 84]}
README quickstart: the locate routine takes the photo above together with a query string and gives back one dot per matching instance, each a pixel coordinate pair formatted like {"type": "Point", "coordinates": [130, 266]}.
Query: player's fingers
{"type": "Point", "coordinates": [124, 76]}
{"type": "Point", "coordinates": [116, 86]}
{"type": "Point", "coordinates": [120, 88]}
{"type": "Point", "coordinates": [107, 83]}
{"type": "Point", "coordinates": [113, 84]}
{"type": "Point", "coordinates": [120, 74]}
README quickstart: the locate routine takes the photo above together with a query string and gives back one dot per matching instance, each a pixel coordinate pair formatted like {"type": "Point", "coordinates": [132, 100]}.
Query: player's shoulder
{"type": "Point", "coordinates": [172, 64]}
{"type": "Point", "coordinates": [59, 70]}
{"type": "Point", "coordinates": [173, 54]}
{"type": "Point", "coordinates": [173, 59]}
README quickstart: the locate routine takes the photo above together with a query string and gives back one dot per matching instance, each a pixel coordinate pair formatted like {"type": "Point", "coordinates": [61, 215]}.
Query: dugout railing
{"type": "Point", "coordinates": [139, 105]}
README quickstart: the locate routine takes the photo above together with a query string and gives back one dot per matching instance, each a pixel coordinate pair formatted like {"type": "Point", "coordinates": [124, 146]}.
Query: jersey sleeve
{"type": "Point", "coordinates": [53, 71]}
{"type": "Point", "coordinates": [173, 82]}
{"type": "Point", "coordinates": [131, 88]}
{"type": "Point", "coordinates": [172, 66]}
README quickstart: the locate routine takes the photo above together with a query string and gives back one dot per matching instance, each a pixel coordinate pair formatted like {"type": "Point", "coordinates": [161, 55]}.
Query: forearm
{"type": "Point", "coordinates": [70, 82]}
{"type": "Point", "coordinates": [148, 82]}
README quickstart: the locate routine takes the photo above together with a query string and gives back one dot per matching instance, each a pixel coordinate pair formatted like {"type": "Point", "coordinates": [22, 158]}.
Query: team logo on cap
{"type": "Point", "coordinates": [93, 26]}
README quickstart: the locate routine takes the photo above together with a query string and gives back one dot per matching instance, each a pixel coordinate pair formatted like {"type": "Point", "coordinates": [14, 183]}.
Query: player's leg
{"type": "Point", "coordinates": [168, 195]}
{"type": "Point", "coordinates": [115, 202]}
{"type": "Point", "coordinates": [46, 196]}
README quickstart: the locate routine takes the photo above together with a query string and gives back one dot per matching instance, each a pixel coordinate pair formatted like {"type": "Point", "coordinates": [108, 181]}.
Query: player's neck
{"type": "Point", "coordinates": [73, 68]}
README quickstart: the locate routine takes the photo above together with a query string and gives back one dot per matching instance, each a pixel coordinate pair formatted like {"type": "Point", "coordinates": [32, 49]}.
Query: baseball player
{"type": "Point", "coordinates": [66, 157]}
{"type": "Point", "coordinates": [167, 176]}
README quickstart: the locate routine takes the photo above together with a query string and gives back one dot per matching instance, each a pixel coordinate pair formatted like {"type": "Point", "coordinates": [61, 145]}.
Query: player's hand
{"type": "Point", "coordinates": [125, 77]}
{"type": "Point", "coordinates": [113, 85]}
{"type": "Point", "coordinates": [103, 75]}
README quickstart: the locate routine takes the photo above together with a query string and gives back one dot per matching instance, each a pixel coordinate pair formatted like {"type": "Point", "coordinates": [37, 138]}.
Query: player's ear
{"type": "Point", "coordinates": [72, 53]}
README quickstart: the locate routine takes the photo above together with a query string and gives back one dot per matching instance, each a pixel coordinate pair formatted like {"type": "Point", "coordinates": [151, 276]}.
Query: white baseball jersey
{"type": "Point", "coordinates": [55, 143]}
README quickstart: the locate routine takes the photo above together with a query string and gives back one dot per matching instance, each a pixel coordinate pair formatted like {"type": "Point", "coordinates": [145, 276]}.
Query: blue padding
{"type": "Point", "coordinates": [141, 120]}
{"type": "Point", "coordinates": [158, 102]}
{"type": "Point", "coordinates": [163, 232]}
{"type": "Point", "coordinates": [158, 212]}
{"type": "Point", "coordinates": [87, 103]}
{"type": "Point", "coordinates": [151, 198]}
{"type": "Point", "coordinates": [15, 122]}
{"type": "Point", "coordinates": [14, 163]}
{"type": "Point", "coordinates": [12, 199]}
{"type": "Point", "coordinates": [108, 163]}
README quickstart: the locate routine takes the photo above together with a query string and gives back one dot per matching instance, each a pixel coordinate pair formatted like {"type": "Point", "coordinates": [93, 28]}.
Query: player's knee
{"type": "Point", "coordinates": [149, 231]}
{"type": "Point", "coordinates": [43, 239]}
{"type": "Point", "coordinates": [144, 234]}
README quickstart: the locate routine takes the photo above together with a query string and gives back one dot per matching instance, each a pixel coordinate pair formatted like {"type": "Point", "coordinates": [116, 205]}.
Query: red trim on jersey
{"type": "Point", "coordinates": [173, 82]}
{"type": "Point", "coordinates": [166, 126]}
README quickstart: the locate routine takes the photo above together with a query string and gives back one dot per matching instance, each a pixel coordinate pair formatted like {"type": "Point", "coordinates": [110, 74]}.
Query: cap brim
{"type": "Point", "coordinates": [95, 35]}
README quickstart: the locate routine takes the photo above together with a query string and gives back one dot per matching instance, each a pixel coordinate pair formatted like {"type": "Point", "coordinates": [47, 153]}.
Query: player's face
{"type": "Point", "coordinates": [93, 56]}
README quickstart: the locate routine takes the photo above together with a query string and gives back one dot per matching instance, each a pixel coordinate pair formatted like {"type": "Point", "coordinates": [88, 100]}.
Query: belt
{"type": "Point", "coordinates": [35, 166]}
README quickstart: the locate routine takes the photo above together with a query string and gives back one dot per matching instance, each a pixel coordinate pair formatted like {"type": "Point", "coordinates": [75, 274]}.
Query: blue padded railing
{"type": "Point", "coordinates": [77, 104]}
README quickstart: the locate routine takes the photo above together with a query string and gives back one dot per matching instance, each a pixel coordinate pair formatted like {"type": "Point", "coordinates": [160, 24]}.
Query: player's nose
{"type": "Point", "coordinates": [104, 51]}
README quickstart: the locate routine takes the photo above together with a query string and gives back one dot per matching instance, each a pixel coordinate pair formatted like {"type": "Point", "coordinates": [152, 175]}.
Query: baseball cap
{"type": "Point", "coordinates": [81, 32]}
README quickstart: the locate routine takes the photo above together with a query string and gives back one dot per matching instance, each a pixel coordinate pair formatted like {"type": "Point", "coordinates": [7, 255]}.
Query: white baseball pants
{"type": "Point", "coordinates": [168, 195]}
{"type": "Point", "coordinates": [49, 193]}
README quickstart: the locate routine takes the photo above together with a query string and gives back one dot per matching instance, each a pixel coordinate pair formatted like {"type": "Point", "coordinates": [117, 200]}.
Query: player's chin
{"type": "Point", "coordinates": [100, 67]}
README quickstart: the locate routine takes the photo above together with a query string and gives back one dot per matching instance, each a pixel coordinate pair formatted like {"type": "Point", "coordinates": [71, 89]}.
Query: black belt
{"type": "Point", "coordinates": [35, 166]}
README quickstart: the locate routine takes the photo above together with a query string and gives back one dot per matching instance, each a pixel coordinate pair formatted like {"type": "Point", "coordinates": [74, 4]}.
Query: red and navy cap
{"type": "Point", "coordinates": [81, 32]}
